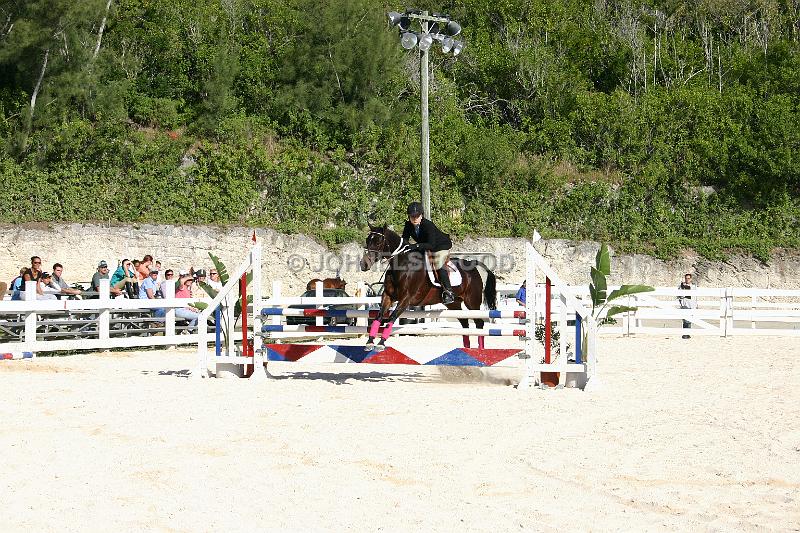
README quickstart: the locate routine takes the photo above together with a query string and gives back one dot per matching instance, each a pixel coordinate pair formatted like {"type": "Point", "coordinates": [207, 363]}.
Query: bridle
{"type": "Point", "coordinates": [380, 250]}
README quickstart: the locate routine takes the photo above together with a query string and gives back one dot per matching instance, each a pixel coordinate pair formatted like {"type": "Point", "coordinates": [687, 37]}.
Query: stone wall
{"type": "Point", "coordinates": [294, 259]}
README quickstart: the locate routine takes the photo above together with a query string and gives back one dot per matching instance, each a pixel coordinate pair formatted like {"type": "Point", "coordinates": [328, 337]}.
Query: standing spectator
{"type": "Point", "coordinates": [102, 273]}
{"type": "Point", "coordinates": [16, 285]}
{"type": "Point", "coordinates": [59, 283]}
{"type": "Point", "coordinates": [686, 302]}
{"type": "Point", "coordinates": [149, 287]}
{"type": "Point", "coordinates": [522, 293]}
{"type": "Point", "coordinates": [144, 267]}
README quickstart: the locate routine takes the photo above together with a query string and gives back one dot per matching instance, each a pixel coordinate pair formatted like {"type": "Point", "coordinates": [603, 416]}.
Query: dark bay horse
{"type": "Point", "coordinates": [407, 284]}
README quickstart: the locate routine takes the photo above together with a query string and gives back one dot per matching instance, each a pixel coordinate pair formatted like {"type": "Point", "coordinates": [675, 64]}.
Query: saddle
{"type": "Point", "coordinates": [453, 273]}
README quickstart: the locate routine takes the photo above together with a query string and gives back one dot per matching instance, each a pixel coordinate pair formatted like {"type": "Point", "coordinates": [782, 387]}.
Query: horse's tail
{"type": "Point", "coordinates": [490, 289]}
{"type": "Point", "coordinates": [489, 284]}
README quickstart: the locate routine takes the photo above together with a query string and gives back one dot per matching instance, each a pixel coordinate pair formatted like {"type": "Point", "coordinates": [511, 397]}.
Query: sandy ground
{"type": "Point", "coordinates": [701, 434]}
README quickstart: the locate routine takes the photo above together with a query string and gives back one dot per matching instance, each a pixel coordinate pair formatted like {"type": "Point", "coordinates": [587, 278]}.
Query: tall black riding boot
{"type": "Point", "coordinates": [447, 291]}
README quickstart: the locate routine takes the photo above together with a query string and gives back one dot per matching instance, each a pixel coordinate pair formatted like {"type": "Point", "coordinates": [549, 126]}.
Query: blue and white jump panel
{"type": "Point", "coordinates": [363, 313]}
{"type": "Point", "coordinates": [363, 330]}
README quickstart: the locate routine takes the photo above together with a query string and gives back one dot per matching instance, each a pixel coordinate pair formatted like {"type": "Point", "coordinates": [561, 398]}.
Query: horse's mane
{"type": "Point", "coordinates": [392, 238]}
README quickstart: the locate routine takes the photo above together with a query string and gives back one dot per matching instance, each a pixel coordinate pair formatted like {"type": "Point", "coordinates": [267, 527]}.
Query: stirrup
{"type": "Point", "coordinates": [447, 296]}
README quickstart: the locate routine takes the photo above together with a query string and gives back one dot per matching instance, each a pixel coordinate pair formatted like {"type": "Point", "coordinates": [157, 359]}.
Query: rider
{"type": "Point", "coordinates": [428, 237]}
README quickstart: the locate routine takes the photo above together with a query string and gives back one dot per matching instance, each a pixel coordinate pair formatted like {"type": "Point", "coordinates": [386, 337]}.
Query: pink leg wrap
{"type": "Point", "coordinates": [387, 331]}
{"type": "Point", "coordinates": [465, 338]}
{"type": "Point", "coordinates": [480, 342]}
{"type": "Point", "coordinates": [373, 329]}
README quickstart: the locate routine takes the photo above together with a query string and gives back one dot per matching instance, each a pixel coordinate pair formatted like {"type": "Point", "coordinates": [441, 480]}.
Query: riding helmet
{"type": "Point", "coordinates": [414, 209]}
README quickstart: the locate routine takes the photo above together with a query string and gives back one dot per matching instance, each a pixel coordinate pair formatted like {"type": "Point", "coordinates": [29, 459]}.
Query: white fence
{"type": "Point", "coordinates": [30, 325]}
{"type": "Point", "coordinates": [105, 323]}
{"type": "Point", "coordinates": [721, 311]}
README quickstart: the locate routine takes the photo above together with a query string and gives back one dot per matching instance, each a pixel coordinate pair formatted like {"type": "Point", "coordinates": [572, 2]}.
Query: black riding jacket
{"type": "Point", "coordinates": [430, 237]}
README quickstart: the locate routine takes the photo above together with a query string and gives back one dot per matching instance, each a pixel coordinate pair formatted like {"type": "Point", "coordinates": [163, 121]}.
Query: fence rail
{"type": "Point", "coordinates": [104, 323]}
{"type": "Point", "coordinates": [32, 325]}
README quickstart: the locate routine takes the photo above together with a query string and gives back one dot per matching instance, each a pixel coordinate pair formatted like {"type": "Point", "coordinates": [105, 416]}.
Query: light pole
{"type": "Point", "coordinates": [431, 27]}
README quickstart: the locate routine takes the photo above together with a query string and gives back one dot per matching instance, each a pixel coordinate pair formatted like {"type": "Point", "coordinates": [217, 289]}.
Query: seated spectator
{"type": "Point", "coordinates": [44, 288]}
{"type": "Point", "coordinates": [16, 285]}
{"type": "Point", "coordinates": [102, 273]}
{"type": "Point", "coordinates": [125, 278]}
{"type": "Point", "coordinates": [149, 287]}
{"type": "Point", "coordinates": [59, 283]}
{"type": "Point", "coordinates": [169, 276]}
{"type": "Point", "coordinates": [197, 289]}
{"type": "Point", "coordinates": [190, 313]}
{"type": "Point", "coordinates": [214, 282]}
{"type": "Point", "coordinates": [32, 273]}
{"type": "Point", "coordinates": [144, 267]}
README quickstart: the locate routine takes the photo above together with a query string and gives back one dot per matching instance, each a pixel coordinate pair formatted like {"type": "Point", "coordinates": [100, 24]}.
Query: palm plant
{"type": "Point", "coordinates": [224, 277]}
{"type": "Point", "coordinates": [598, 289]}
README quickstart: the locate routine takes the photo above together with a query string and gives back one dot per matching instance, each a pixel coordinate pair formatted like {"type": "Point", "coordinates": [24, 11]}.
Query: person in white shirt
{"type": "Point", "coordinates": [214, 280]}
{"type": "Point", "coordinates": [44, 288]}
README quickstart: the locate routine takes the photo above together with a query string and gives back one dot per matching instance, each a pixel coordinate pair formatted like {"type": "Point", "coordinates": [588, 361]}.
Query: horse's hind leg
{"type": "Point", "coordinates": [465, 338]}
{"type": "Point", "coordinates": [481, 338]}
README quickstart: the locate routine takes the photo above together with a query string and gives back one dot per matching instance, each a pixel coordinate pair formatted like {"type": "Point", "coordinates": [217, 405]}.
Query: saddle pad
{"type": "Point", "coordinates": [453, 273]}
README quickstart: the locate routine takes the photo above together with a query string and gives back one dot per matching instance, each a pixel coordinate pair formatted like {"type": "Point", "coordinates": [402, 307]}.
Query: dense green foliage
{"type": "Point", "coordinates": [654, 125]}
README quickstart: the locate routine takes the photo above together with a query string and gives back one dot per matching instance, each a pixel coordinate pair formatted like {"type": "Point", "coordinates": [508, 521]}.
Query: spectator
{"type": "Point", "coordinates": [59, 283]}
{"type": "Point", "coordinates": [44, 288]}
{"type": "Point", "coordinates": [197, 289]}
{"type": "Point", "coordinates": [686, 302]}
{"type": "Point", "coordinates": [144, 268]}
{"type": "Point", "coordinates": [522, 293]}
{"type": "Point", "coordinates": [125, 277]}
{"type": "Point", "coordinates": [169, 276]}
{"type": "Point", "coordinates": [16, 285]}
{"type": "Point", "coordinates": [190, 313]}
{"type": "Point", "coordinates": [32, 273]}
{"type": "Point", "coordinates": [214, 281]}
{"type": "Point", "coordinates": [102, 273]}
{"type": "Point", "coordinates": [149, 287]}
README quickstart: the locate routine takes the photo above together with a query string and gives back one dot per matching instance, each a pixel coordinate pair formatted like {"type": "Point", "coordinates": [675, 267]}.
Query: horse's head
{"type": "Point", "coordinates": [376, 247]}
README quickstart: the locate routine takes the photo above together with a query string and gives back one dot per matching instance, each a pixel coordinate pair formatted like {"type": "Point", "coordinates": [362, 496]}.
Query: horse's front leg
{"type": "Point", "coordinates": [374, 328]}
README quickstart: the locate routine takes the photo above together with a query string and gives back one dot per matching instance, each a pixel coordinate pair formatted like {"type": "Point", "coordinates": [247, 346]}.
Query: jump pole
{"type": "Point", "coordinates": [548, 295]}
{"type": "Point", "coordinates": [218, 331]}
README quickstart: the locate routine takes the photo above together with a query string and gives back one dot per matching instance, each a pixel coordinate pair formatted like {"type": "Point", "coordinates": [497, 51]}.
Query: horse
{"type": "Point", "coordinates": [407, 283]}
{"type": "Point", "coordinates": [327, 283]}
